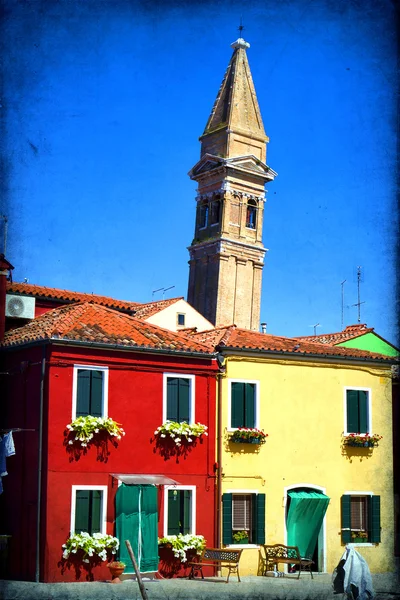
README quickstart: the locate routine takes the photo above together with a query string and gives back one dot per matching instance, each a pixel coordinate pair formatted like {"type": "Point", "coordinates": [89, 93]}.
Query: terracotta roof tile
{"type": "Point", "coordinates": [349, 333]}
{"type": "Point", "coordinates": [39, 291]}
{"type": "Point", "coordinates": [244, 339]}
{"type": "Point", "coordinates": [143, 311]}
{"type": "Point", "coordinates": [87, 322]}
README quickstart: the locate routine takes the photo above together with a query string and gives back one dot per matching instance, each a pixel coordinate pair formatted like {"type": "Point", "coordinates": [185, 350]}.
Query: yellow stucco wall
{"type": "Point", "coordinates": [301, 407]}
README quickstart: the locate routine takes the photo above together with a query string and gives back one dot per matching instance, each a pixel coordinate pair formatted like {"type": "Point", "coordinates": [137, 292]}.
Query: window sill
{"type": "Point", "coordinates": [363, 544]}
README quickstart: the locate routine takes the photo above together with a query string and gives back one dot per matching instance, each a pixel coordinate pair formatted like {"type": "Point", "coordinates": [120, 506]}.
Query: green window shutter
{"type": "Point", "coordinates": [227, 519]}
{"type": "Point", "coordinates": [363, 411]}
{"type": "Point", "coordinates": [249, 403]}
{"type": "Point", "coordinates": [83, 393]}
{"type": "Point", "coordinates": [237, 404]}
{"type": "Point", "coordinates": [259, 519]}
{"type": "Point", "coordinates": [352, 411]}
{"type": "Point", "coordinates": [183, 400]}
{"type": "Point", "coordinates": [174, 512]}
{"type": "Point", "coordinates": [82, 506]}
{"type": "Point", "coordinates": [96, 393]}
{"type": "Point", "coordinates": [375, 519]}
{"type": "Point", "coordinates": [172, 398]}
{"type": "Point", "coordinates": [186, 518]}
{"type": "Point", "coordinates": [346, 519]}
{"type": "Point", "coordinates": [96, 501]}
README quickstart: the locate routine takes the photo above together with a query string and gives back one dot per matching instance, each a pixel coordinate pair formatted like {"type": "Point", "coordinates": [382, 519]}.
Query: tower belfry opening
{"type": "Point", "coordinates": [227, 253]}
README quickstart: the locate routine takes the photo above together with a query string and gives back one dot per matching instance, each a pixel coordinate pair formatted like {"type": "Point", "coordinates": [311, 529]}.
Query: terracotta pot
{"type": "Point", "coordinates": [115, 573]}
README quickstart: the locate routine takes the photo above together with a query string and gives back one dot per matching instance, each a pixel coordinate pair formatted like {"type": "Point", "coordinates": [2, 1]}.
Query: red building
{"type": "Point", "coordinates": [86, 359]}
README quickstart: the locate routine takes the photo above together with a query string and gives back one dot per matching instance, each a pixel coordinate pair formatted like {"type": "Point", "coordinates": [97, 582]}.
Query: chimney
{"type": "Point", "coordinates": [263, 328]}
{"type": "Point", "coordinates": [5, 268]}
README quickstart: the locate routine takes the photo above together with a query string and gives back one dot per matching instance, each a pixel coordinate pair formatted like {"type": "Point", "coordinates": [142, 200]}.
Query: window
{"type": "Point", "coordinates": [178, 398]}
{"type": "Point", "coordinates": [361, 518]}
{"type": "Point", "coordinates": [179, 510]}
{"type": "Point", "coordinates": [243, 512]}
{"type": "Point", "coordinates": [90, 391]}
{"type": "Point", "coordinates": [215, 212]}
{"type": "Point", "coordinates": [203, 216]}
{"type": "Point", "coordinates": [88, 509]}
{"type": "Point", "coordinates": [180, 319]}
{"type": "Point", "coordinates": [243, 404]}
{"type": "Point", "coordinates": [357, 411]}
{"type": "Point", "coordinates": [251, 214]}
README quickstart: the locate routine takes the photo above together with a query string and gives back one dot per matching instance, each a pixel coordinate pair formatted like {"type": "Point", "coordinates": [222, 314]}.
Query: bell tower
{"type": "Point", "coordinates": [227, 253]}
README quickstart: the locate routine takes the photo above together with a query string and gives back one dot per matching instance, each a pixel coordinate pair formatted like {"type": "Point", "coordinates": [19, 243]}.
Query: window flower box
{"type": "Point", "coordinates": [359, 537]}
{"type": "Point", "coordinates": [181, 544]}
{"type": "Point", "coordinates": [180, 432]}
{"type": "Point", "coordinates": [87, 430]}
{"type": "Point", "coordinates": [244, 435]}
{"type": "Point", "coordinates": [241, 537]}
{"type": "Point", "coordinates": [97, 546]}
{"type": "Point", "coordinates": [361, 440]}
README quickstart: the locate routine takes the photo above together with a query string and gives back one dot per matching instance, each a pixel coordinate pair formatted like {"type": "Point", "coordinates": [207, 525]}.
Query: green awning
{"type": "Point", "coordinates": [306, 513]}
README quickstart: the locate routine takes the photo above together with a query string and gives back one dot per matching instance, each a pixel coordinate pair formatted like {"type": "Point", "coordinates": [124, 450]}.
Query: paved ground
{"type": "Point", "coordinates": [387, 587]}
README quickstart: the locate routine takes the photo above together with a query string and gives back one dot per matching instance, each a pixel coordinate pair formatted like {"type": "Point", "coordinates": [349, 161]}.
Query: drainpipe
{"type": "Point", "coordinates": [221, 360]}
{"type": "Point", "coordinates": [39, 479]}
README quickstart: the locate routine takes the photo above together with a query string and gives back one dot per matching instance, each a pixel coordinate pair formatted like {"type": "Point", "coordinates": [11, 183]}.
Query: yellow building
{"type": "Point", "coordinates": [306, 397]}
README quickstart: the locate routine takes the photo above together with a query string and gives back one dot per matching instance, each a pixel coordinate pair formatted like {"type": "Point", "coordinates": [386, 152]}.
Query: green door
{"type": "Point", "coordinates": [137, 521]}
{"type": "Point", "coordinates": [304, 519]}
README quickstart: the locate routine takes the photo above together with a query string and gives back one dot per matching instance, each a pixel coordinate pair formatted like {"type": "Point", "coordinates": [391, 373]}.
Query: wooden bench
{"type": "Point", "coordinates": [278, 553]}
{"type": "Point", "coordinates": [213, 557]}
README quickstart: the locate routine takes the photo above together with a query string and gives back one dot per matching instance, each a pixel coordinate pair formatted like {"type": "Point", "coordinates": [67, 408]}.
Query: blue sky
{"type": "Point", "coordinates": [103, 104]}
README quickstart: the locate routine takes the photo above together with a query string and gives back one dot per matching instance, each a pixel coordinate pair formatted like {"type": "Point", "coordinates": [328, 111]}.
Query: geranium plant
{"type": "Point", "coordinates": [362, 439]}
{"type": "Point", "coordinates": [240, 536]}
{"type": "Point", "coordinates": [86, 429]}
{"type": "Point", "coordinates": [181, 432]}
{"type": "Point", "coordinates": [359, 534]}
{"type": "Point", "coordinates": [245, 434]}
{"type": "Point", "coordinates": [97, 545]}
{"type": "Point", "coordinates": [180, 544]}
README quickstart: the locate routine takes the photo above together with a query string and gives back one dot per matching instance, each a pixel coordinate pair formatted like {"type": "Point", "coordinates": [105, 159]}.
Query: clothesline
{"type": "Point", "coordinates": [15, 429]}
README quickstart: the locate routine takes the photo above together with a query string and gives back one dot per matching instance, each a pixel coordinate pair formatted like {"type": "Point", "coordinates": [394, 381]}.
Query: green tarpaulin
{"type": "Point", "coordinates": [136, 521]}
{"type": "Point", "coordinates": [304, 520]}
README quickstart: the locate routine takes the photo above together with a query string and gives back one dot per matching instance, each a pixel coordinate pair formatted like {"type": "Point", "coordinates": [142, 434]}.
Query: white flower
{"type": "Point", "coordinates": [163, 435]}
{"type": "Point", "coordinates": [189, 439]}
{"type": "Point", "coordinates": [70, 442]}
{"type": "Point", "coordinates": [85, 560]}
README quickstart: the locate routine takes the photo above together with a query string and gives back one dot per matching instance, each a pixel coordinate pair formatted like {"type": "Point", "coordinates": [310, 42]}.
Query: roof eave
{"type": "Point", "coordinates": [306, 355]}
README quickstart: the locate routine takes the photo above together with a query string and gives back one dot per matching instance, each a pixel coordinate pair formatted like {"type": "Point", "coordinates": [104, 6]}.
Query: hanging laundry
{"type": "Point", "coordinates": [7, 449]}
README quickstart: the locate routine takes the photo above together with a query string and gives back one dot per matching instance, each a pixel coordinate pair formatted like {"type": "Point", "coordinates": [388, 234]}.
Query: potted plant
{"type": "Point", "coordinates": [361, 440]}
{"type": "Point", "coordinates": [181, 432]}
{"type": "Point", "coordinates": [241, 537]}
{"type": "Point", "coordinates": [245, 435]}
{"type": "Point", "coordinates": [181, 544]}
{"type": "Point", "coordinates": [359, 537]}
{"type": "Point", "coordinates": [84, 431]}
{"type": "Point", "coordinates": [116, 569]}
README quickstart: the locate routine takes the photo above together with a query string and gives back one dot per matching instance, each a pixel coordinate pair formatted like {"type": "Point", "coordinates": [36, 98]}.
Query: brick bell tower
{"type": "Point", "coordinates": [227, 253]}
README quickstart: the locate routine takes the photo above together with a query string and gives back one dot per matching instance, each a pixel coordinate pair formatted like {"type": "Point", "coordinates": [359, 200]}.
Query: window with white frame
{"type": "Point", "coordinates": [243, 518]}
{"type": "Point", "coordinates": [243, 404]}
{"type": "Point", "coordinates": [178, 398]}
{"type": "Point", "coordinates": [360, 518]}
{"type": "Point", "coordinates": [357, 410]}
{"type": "Point", "coordinates": [179, 510]}
{"type": "Point", "coordinates": [88, 509]}
{"type": "Point", "coordinates": [90, 391]}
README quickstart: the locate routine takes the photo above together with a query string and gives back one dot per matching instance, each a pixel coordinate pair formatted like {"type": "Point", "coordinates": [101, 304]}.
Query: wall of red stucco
{"type": "Point", "coordinates": [134, 400]}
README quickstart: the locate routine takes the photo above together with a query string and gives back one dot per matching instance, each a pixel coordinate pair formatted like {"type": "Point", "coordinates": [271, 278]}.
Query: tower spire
{"type": "Point", "coordinates": [227, 253]}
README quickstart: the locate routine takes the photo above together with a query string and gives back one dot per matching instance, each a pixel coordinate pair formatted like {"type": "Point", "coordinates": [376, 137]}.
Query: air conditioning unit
{"type": "Point", "coordinates": [20, 307]}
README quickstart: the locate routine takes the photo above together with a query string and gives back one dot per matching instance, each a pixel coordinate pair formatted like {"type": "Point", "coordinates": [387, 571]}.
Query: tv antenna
{"type": "Point", "coordinates": [163, 290]}
{"type": "Point", "coordinates": [5, 233]}
{"type": "Point", "coordinates": [342, 284]}
{"type": "Point", "coordinates": [315, 327]}
{"type": "Point", "coordinates": [358, 303]}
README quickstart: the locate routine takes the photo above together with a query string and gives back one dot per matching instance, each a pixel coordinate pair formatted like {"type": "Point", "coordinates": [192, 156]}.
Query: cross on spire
{"type": "Point", "coordinates": [241, 27]}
